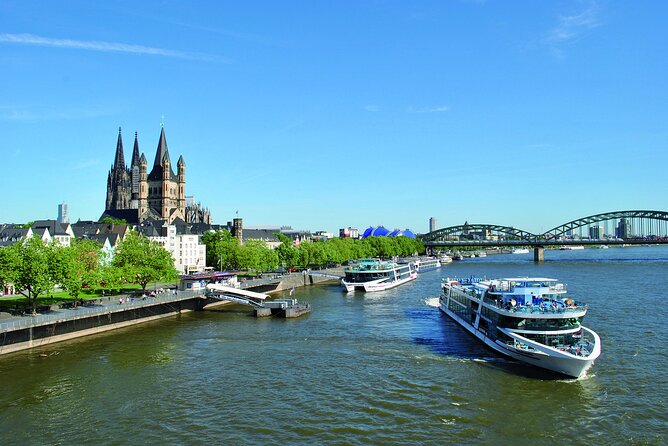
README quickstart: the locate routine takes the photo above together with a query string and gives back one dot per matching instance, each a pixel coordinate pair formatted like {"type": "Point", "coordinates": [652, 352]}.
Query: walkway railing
{"type": "Point", "coordinates": [101, 306]}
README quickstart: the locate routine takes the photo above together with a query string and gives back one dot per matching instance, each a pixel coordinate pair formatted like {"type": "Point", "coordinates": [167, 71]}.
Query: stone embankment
{"type": "Point", "coordinates": [19, 333]}
{"type": "Point", "coordinates": [304, 278]}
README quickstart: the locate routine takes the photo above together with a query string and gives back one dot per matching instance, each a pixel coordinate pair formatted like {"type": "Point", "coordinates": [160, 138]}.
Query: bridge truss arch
{"type": "Point", "coordinates": [477, 232]}
{"type": "Point", "coordinates": [647, 222]}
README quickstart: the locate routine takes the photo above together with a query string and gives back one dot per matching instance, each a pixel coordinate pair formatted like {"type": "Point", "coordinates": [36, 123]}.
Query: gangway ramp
{"type": "Point", "coordinates": [244, 297]}
{"type": "Point", "coordinates": [282, 307]}
{"type": "Point", "coordinates": [327, 275]}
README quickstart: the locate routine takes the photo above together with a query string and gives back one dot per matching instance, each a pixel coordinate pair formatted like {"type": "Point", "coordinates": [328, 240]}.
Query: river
{"type": "Point", "coordinates": [382, 368]}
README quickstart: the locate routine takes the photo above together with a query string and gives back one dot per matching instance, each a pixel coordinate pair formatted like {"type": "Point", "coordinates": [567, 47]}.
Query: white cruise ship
{"type": "Point", "coordinates": [423, 264]}
{"type": "Point", "coordinates": [377, 275]}
{"type": "Point", "coordinates": [528, 319]}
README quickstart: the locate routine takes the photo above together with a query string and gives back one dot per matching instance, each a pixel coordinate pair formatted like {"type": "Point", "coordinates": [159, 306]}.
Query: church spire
{"type": "Point", "coordinates": [135, 153]}
{"type": "Point", "coordinates": [162, 151]}
{"type": "Point", "coordinates": [119, 160]}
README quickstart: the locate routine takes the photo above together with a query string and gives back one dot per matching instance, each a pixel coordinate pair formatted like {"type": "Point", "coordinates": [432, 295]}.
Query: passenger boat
{"type": "Point", "coordinates": [423, 264]}
{"type": "Point", "coordinates": [377, 275]}
{"type": "Point", "coordinates": [444, 258]}
{"type": "Point", "coordinates": [521, 251]}
{"type": "Point", "coordinates": [572, 248]}
{"type": "Point", "coordinates": [528, 319]}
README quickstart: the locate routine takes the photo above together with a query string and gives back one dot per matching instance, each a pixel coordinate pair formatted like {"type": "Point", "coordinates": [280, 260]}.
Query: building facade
{"type": "Point", "coordinates": [188, 253]}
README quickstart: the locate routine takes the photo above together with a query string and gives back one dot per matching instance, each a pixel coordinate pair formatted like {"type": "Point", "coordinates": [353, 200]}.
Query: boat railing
{"type": "Point", "coordinates": [466, 280]}
{"type": "Point", "coordinates": [534, 309]}
{"type": "Point", "coordinates": [582, 347]}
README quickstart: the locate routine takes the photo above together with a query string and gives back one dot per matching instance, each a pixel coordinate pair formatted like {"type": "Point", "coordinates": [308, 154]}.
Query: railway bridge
{"type": "Point", "coordinates": [636, 227]}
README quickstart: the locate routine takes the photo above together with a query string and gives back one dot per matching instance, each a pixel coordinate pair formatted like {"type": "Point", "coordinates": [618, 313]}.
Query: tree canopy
{"type": "Point", "coordinates": [140, 260]}
{"type": "Point", "coordinates": [79, 266]}
{"type": "Point", "coordinates": [225, 252]}
{"type": "Point", "coordinates": [32, 266]}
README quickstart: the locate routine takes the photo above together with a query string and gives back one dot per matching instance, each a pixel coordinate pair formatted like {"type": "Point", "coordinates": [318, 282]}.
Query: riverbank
{"type": "Point", "coordinates": [58, 323]}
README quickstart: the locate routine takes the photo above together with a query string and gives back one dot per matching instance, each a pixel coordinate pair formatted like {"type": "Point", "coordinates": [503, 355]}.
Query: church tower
{"type": "Point", "coordinates": [118, 180]}
{"type": "Point", "coordinates": [134, 175]}
{"type": "Point", "coordinates": [143, 186]}
{"type": "Point", "coordinates": [157, 194]}
{"type": "Point", "coordinates": [164, 188]}
{"type": "Point", "coordinates": [181, 165]}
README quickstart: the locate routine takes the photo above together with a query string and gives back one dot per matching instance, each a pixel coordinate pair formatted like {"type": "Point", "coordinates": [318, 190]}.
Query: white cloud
{"type": "Point", "coordinates": [97, 45]}
{"type": "Point", "coordinates": [439, 109]}
{"type": "Point", "coordinates": [571, 27]}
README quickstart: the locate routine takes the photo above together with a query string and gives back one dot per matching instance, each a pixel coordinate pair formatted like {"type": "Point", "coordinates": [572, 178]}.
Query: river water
{"type": "Point", "coordinates": [382, 368]}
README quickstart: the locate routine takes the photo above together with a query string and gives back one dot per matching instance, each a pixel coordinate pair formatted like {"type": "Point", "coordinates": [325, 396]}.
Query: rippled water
{"type": "Point", "coordinates": [360, 369]}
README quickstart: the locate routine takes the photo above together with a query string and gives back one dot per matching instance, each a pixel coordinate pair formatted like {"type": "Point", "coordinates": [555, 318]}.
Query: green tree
{"type": "Point", "coordinates": [141, 261]}
{"type": "Point", "coordinates": [249, 255]}
{"type": "Point", "coordinates": [113, 221]}
{"type": "Point", "coordinates": [6, 267]}
{"type": "Point", "coordinates": [313, 254]}
{"type": "Point", "coordinates": [288, 254]}
{"type": "Point", "coordinates": [30, 266]}
{"type": "Point", "coordinates": [80, 266]}
{"type": "Point", "coordinates": [222, 249]}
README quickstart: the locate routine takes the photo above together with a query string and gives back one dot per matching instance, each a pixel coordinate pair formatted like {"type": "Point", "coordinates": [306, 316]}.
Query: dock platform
{"type": "Point", "coordinates": [288, 308]}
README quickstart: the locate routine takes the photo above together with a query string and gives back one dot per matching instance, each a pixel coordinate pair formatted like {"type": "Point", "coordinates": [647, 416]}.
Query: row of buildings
{"type": "Point", "coordinates": [152, 200]}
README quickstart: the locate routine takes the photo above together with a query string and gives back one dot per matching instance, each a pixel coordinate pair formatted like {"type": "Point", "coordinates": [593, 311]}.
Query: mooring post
{"type": "Point", "coordinates": [538, 254]}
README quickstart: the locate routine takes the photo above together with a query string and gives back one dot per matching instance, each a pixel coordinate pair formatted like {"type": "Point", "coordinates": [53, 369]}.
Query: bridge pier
{"type": "Point", "coordinates": [538, 254]}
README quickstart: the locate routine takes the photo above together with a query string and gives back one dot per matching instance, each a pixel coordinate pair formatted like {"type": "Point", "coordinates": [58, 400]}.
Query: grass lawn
{"type": "Point", "coordinates": [56, 297]}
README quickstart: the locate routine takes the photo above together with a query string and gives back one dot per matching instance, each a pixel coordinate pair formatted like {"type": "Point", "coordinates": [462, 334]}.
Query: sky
{"type": "Point", "coordinates": [328, 114]}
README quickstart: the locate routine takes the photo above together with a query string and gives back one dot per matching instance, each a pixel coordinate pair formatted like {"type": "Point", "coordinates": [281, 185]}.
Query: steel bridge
{"type": "Point", "coordinates": [609, 228]}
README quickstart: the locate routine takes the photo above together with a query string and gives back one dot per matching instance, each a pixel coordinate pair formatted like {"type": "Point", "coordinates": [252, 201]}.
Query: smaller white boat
{"type": "Point", "coordinates": [423, 264]}
{"type": "Point", "coordinates": [377, 275]}
{"type": "Point", "coordinates": [444, 259]}
{"type": "Point", "coordinates": [521, 251]}
{"type": "Point", "coordinates": [572, 248]}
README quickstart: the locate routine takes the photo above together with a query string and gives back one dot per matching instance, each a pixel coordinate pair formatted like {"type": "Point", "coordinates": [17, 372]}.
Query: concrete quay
{"type": "Point", "coordinates": [286, 282]}
{"type": "Point", "coordinates": [23, 332]}
{"type": "Point", "coordinates": [101, 315]}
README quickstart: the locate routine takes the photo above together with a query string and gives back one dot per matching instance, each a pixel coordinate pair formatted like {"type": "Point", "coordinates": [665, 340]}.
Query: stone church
{"type": "Point", "coordinates": [136, 194]}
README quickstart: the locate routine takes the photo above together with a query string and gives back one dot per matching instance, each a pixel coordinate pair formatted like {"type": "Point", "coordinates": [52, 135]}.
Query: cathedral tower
{"type": "Point", "coordinates": [118, 180]}
{"type": "Point", "coordinates": [158, 194]}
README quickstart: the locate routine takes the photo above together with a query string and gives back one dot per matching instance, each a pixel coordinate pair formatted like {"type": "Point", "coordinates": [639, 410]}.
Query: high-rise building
{"type": "Point", "coordinates": [63, 215]}
{"type": "Point", "coordinates": [432, 224]}
{"type": "Point", "coordinates": [596, 232]}
{"type": "Point", "coordinates": [623, 229]}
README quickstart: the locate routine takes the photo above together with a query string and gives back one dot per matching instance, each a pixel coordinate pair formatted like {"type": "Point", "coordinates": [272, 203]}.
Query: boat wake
{"type": "Point", "coordinates": [431, 302]}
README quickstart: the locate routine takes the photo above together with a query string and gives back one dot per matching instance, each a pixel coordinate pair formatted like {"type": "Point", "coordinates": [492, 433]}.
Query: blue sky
{"type": "Point", "coordinates": [327, 114]}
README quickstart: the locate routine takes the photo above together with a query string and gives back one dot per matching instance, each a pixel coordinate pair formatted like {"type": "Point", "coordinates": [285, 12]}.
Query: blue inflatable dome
{"type": "Point", "coordinates": [379, 231]}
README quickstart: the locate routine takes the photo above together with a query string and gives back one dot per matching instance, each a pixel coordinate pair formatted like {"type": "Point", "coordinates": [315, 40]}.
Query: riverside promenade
{"type": "Point", "coordinates": [94, 307]}
{"type": "Point", "coordinates": [96, 316]}
{"type": "Point", "coordinates": [107, 313]}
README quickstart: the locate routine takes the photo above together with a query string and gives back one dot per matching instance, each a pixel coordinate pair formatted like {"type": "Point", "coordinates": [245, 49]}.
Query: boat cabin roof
{"type": "Point", "coordinates": [528, 279]}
